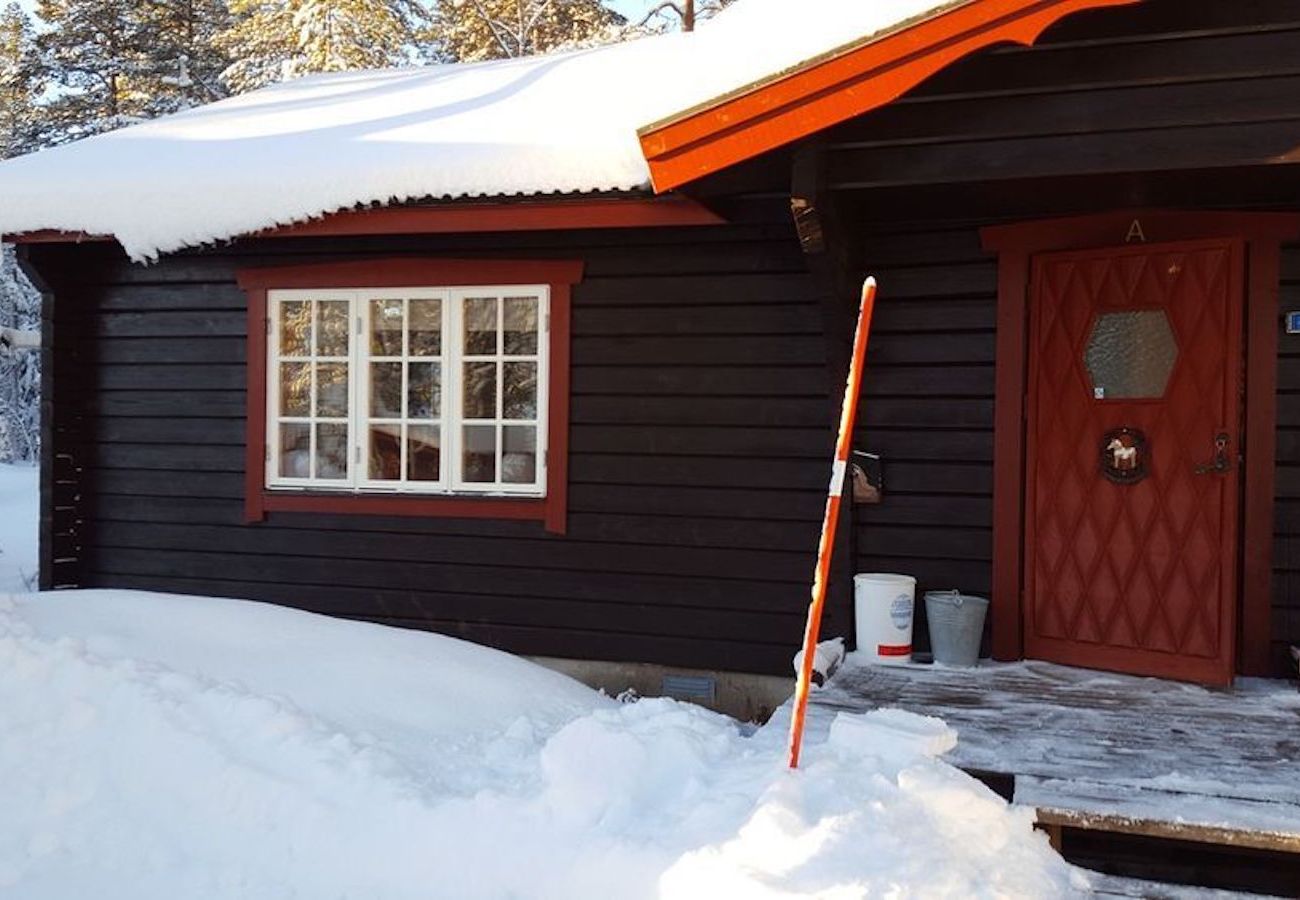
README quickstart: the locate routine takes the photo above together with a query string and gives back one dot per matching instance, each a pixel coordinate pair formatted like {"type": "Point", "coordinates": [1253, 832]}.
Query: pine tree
{"type": "Point", "coordinates": [20, 373]}
{"type": "Point", "coordinates": [187, 63]}
{"type": "Point", "coordinates": [473, 30]}
{"type": "Point", "coordinates": [20, 82]}
{"type": "Point", "coordinates": [95, 51]}
{"type": "Point", "coordinates": [20, 90]}
{"type": "Point", "coordinates": [272, 40]}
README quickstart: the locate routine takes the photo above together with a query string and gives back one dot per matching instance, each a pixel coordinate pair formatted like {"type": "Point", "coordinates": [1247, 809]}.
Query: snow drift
{"type": "Point", "coordinates": [564, 123]}
{"type": "Point", "coordinates": [162, 747]}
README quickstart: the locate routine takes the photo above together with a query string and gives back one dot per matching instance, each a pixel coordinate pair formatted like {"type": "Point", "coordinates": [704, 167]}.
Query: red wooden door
{"type": "Point", "coordinates": [1133, 443]}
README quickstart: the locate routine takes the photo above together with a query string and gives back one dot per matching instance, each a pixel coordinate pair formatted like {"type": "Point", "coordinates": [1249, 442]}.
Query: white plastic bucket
{"type": "Point", "coordinates": [884, 605]}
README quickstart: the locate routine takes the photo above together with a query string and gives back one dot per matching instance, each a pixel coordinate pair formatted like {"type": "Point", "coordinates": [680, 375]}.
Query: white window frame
{"type": "Point", "coordinates": [451, 423]}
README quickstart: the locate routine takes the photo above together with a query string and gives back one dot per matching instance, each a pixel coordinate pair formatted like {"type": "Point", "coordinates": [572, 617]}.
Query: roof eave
{"type": "Point", "coordinates": [847, 82]}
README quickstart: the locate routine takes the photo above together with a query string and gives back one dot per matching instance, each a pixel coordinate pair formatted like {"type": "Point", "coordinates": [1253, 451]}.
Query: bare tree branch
{"type": "Point", "coordinates": [667, 4]}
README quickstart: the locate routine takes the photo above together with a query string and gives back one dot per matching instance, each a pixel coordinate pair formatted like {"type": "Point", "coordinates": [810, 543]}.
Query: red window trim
{"type": "Point", "coordinates": [561, 275]}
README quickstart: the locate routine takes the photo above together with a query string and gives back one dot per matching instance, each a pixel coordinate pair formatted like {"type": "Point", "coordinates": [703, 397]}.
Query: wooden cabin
{"type": "Point", "coordinates": [1085, 221]}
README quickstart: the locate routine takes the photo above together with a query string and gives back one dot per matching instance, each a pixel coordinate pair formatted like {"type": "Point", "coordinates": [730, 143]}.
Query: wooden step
{"type": "Point", "coordinates": [1115, 886]}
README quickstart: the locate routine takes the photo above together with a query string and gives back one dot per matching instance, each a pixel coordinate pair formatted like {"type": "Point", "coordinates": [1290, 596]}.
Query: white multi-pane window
{"type": "Point", "coordinates": [429, 391]}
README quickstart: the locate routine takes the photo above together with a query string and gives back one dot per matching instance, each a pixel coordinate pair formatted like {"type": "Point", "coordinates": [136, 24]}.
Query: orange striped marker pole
{"type": "Point", "coordinates": [830, 523]}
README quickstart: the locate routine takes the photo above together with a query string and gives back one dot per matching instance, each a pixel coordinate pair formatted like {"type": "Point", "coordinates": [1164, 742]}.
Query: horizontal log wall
{"type": "Point", "coordinates": [928, 410]}
{"type": "Point", "coordinates": [1286, 545]}
{"type": "Point", "coordinates": [699, 451]}
{"type": "Point", "coordinates": [1167, 85]}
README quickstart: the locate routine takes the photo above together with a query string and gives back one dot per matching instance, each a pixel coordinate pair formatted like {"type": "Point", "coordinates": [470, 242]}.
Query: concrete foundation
{"type": "Point", "coordinates": [750, 698]}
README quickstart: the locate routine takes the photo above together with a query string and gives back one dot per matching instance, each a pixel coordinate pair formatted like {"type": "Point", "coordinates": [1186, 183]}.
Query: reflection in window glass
{"type": "Point", "coordinates": [385, 452]}
{"type": "Point", "coordinates": [332, 328]}
{"type": "Point", "coordinates": [479, 454]}
{"type": "Point", "coordinates": [331, 450]}
{"type": "Point", "coordinates": [386, 390]}
{"type": "Point", "coordinates": [332, 390]}
{"type": "Point", "coordinates": [519, 454]}
{"type": "Point", "coordinates": [519, 390]}
{"type": "Point", "coordinates": [295, 389]}
{"type": "Point", "coordinates": [423, 390]}
{"type": "Point", "coordinates": [520, 320]}
{"type": "Point", "coordinates": [426, 327]}
{"type": "Point", "coordinates": [480, 400]}
{"type": "Point", "coordinates": [423, 453]}
{"type": "Point", "coordinates": [386, 328]}
{"type": "Point", "coordinates": [295, 328]}
{"type": "Point", "coordinates": [480, 326]}
{"type": "Point", "coordinates": [295, 450]}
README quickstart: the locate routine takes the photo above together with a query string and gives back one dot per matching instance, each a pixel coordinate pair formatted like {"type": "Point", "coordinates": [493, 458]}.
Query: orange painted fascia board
{"type": "Point", "coordinates": [833, 89]}
{"type": "Point", "coordinates": [554, 215]}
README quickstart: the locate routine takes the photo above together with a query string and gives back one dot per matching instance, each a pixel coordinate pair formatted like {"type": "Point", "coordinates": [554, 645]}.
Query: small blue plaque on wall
{"type": "Point", "coordinates": [1293, 323]}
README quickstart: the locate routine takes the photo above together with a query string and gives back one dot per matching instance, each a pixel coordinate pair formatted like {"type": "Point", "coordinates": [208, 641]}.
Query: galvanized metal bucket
{"type": "Point", "coordinates": [956, 626]}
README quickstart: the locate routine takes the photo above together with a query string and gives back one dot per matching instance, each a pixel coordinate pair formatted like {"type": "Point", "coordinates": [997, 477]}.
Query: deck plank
{"type": "Point", "coordinates": [1096, 743]}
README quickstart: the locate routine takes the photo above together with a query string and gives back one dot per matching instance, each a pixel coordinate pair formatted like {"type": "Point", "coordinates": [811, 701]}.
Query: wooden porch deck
{"type": "Point", "coordinates": [1109, 752]}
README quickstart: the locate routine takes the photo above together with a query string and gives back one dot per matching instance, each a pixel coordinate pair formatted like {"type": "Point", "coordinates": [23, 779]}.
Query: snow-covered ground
{"type": "Point", "coordinates": [184, 747]}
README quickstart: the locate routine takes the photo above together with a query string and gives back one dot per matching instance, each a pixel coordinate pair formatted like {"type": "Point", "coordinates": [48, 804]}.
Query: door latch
{"type": "Point", "coordinates": [1221, 462]}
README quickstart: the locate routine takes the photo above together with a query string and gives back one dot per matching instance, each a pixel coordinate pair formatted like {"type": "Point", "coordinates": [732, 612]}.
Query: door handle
{"type": "Point", "coordinates": [1221, 463]}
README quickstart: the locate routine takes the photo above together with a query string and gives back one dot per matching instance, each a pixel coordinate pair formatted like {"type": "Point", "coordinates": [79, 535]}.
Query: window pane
{"type": "Point", "coordinates": [385, 327]}
{"type": "Point", "coordinates": [423, 454]}
{"type": "Point", "coordinates": [1131, 354]}
{"type": "Point", "coordinates": [424, 390]}
{"type": "Point", "coordinates": [385, 452]}
{"type": "Point", "coordinates": [385, 461]}
{"type": "Point", "coordinates": [480, 453]}
{"type": "Point", "coordinates": [426, 328]}
{"type": "Point", "coordinates": [519, 386]}
{"type": "Point", "coordinates": [332, 328]}
{"type": "Point", "coordinates": [295, 389]}
{"type": "Point", "coordinates": [295, 451]}
{"type": "Point", "coordinates": [332, 450]}
{"type": "Point", "coordinates": [480, 390]}
{"type": "Point", "coordinates": [386, 390]}
{"type": "Point", "coordinates": [480, 326]}
{"type": "Point", "coordinates": [295, 328]}
{"type": "Point", "coordinates": [332, 390]}
{"type": "Point", "coordinates": [520, 316]}
{"type": "Point", "coordinates": [519, 454]}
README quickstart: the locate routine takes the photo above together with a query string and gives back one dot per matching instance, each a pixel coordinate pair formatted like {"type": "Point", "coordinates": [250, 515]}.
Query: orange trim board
{"type": "Point", "coordinates": [461, 218]}
{"type": "Point", "coordinates": [835, 88]}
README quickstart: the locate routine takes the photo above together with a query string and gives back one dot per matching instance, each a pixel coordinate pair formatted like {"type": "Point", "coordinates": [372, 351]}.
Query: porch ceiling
{"type": "Point", "coordinates": [833, 88]}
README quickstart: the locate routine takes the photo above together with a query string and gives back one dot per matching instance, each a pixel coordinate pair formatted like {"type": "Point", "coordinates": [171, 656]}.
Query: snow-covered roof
{"type": "Point", "coordinates": [564, 123]}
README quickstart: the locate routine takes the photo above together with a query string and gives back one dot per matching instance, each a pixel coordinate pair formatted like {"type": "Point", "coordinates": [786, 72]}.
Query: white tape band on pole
{"type": "Point", "coordinates": [837, 478]}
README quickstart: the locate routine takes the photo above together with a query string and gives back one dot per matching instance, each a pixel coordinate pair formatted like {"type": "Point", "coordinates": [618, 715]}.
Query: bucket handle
{"type": "Point", "coordinates": [955, 596]}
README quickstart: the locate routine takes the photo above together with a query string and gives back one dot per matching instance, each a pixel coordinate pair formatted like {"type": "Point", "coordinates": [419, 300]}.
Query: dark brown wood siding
{"type": "Point", "coordinates": [1286, 544]}
{"type": "Point", "coordinates": [1167, 85]}
{"type": "Point", "coordinates": [699, 453]}
{"type": "Point", "coordinates": [928, 410]}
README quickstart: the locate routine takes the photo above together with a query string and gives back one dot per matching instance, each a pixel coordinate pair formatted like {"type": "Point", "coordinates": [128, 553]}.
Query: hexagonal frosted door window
{"type": "Point", "coordinates": [1131, 354]}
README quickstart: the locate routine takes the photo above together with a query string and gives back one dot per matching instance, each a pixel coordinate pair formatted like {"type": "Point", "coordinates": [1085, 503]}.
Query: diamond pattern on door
{"type": "Point", "coordinates": [1134, 577]}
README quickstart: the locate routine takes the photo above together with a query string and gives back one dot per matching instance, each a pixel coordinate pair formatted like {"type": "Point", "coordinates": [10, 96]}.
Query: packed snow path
{"type": "Point", "coordinates": [154, 746]}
